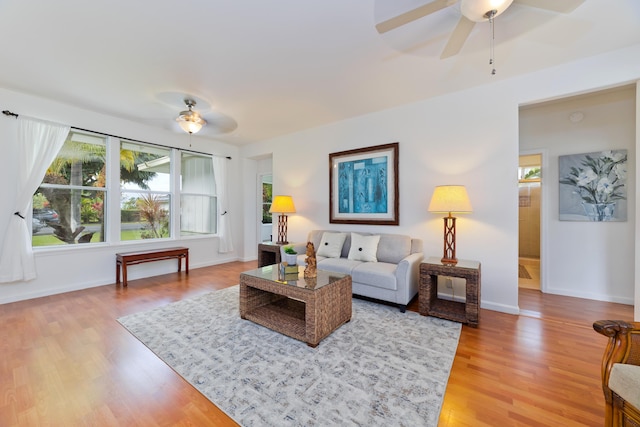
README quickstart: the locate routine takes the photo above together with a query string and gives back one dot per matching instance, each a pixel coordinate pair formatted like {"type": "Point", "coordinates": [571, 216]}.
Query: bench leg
{"type": "Point", "coordinates": [186, 263]}
{"type": "Point", "coordinates": [124, 274]}
{"type": "Point", "coordinates": [117, 272]}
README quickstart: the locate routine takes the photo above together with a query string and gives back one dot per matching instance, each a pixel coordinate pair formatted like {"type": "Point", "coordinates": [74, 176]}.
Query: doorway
{"type": "Point", "coordinates": [265, 194]}
{"type": "Point", "coordinates": [529, 197]}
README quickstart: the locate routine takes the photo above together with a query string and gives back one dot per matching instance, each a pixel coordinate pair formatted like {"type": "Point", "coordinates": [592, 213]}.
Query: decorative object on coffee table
{"type": "Point", "coordinates": [311, 270]}
{"type": "Point", "coordinates": [450, 199]}
{"type": "Point", "coordinates": [282, 205]}
{"type": "Point", "coordinates": [290, 255]}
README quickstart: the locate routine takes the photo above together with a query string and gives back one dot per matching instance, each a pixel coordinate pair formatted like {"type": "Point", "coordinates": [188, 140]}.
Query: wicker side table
{"type": "Point", "coordinates": [268, 254]}
{"type": "Point", "coordinates": [430, 305]}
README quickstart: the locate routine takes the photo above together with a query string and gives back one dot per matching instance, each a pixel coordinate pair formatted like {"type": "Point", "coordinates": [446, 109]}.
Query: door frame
{"type": "Point", "coordinates": [544, 213]}
{"type": "Point", "coordinates": [260, 180]}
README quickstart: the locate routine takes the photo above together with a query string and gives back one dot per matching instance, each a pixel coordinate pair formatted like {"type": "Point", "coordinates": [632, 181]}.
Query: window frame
{"type": "Point", "coordinates": [180, 193]}
{"type": "Point", "coordinates": [113, 193]}
{"type": "Point", "coordinates": [83, 137]}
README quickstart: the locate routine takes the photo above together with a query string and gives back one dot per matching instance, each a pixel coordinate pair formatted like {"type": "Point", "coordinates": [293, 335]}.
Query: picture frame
{"type": "Point", "coordinates": [363, 186]}
{"type": "Point", "coordinates": [593, 186]}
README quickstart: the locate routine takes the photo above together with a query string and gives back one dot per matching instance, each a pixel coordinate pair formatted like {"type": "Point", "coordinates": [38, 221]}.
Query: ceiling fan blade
{"type": "Point", "coordinates": [564, 6]}
{"type": "Point", "coordinates": [458, 37]}
{"type": "Point", "coordinates": [412, 15]}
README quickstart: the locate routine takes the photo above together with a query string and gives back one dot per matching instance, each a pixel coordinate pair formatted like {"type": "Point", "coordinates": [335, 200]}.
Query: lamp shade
{"type": "Point", "coordinates": [450, 198]}
{"type": "Point", "coordinates": [282, 204]}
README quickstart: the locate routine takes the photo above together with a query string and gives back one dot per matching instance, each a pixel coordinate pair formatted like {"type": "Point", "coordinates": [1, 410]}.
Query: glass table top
{"type": "Point", "coordinates": [274, 274]}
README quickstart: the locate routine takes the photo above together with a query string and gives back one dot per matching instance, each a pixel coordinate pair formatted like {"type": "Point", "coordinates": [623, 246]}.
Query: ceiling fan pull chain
{"type": "Point", "coordinates": [492, 45]}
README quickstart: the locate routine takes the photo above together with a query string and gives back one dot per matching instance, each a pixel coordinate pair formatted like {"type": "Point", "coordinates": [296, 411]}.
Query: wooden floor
{"type": "Point", "coordinates": [65, 361]}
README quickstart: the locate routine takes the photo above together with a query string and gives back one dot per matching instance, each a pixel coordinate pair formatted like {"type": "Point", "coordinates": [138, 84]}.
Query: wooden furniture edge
{"type": "Point", "coordinates": [123, 259]}
{"type": "Point", "coordinates": [622, 347]}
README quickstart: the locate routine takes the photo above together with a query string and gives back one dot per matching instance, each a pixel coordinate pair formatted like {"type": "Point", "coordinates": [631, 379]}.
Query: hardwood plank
{"type": "Point", "coordinates": [66, 361]}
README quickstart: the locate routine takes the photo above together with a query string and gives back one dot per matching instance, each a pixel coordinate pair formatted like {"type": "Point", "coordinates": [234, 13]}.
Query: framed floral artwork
{"type": "Point", "coordinates": [363, 186]}
{"type": "Point", "coordinates": [593, 186]}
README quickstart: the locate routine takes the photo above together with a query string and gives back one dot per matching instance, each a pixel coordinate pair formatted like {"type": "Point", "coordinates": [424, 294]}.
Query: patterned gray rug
{"type": "Point", "coordinates": [383, 368]}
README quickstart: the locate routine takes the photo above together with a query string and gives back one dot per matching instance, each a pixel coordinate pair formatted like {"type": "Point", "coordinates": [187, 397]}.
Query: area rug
{"type": "Point", "coordinates": [522, 272]}
{"type": "Point", "coordinates": [382, 368]}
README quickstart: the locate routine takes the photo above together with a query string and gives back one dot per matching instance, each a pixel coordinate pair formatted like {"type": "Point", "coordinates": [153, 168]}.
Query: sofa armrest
{"type": "Point", "coordinates": [408, 277]}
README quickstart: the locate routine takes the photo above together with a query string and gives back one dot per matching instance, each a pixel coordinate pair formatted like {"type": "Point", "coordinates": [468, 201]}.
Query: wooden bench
{"type": "Point", "coordinates": [130, 258]}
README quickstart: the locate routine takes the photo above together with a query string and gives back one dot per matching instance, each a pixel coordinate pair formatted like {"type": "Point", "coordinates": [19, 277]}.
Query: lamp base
{"type": "Point", "coordinates": [449, 261]}
{"type": "Point", "coordinates": [449, 256]}
{"type": "Point", "coordinates": [282, 230]}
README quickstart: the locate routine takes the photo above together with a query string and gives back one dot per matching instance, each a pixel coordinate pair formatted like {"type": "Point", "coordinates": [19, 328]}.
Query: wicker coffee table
{"type": "Point", "coordinates": [305, 309]}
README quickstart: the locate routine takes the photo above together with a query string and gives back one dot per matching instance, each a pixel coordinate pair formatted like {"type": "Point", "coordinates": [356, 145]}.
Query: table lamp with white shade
{"type": "Point", "coordinates": [450, 199]}
{"type": "Point", "coordinates": [282, 205]}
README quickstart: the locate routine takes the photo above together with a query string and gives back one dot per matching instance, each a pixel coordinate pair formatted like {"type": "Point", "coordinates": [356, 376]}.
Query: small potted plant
{"type": "Point", "coordinates": [290, 255]}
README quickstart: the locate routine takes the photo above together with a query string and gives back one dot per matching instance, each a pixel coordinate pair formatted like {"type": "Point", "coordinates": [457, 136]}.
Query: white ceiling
{"type": "Point", "coordinates": [279, 66]}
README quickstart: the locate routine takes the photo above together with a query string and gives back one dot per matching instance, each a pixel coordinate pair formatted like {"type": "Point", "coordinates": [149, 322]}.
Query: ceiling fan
{"type": "Point", "coordinates": [198, 115]}
{"type": "Point", "coordinates": [472, 11]}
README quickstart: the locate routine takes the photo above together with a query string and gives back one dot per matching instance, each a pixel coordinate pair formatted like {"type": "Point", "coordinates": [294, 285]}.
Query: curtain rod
{"type": "Point", "coordinates": [9, 113]}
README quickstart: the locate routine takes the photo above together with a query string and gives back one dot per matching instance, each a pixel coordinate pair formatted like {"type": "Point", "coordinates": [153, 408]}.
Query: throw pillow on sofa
{"type": "Point", "coordinates": [364, 248]}
{"type": "Point", "coordinates": [331, 245]}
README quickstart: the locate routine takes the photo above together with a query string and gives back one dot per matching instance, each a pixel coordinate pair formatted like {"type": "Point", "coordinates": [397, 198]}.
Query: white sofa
{"type": "Point", "coordinates": [391, 277]}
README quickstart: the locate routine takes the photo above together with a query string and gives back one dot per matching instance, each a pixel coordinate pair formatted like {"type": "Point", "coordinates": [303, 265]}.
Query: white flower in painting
{"type": "Point", "coordinates": [604, 187]}
{"type": "Point", "coordinates": [616, 157]}
{"type": "Point", "coordinates": [620, 170]}
{"type": "Point", "coordinates": [585, 177]}
{"type": "Point", "coordinates": [599, 179]}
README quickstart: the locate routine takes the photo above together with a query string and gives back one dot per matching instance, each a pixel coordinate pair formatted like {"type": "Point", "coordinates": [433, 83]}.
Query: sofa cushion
{"type": "Point", "coordinates": [364, 248]}
{"type": "Point", "coordinates": [331, 245]}
{"type": "Point", "coordinates": [338, 265]}
{"type": "Point", "coordinates": [624, 380]}
{"type": "Point", "coordinates": [378, 274]}
{"type": "Point", "coordinates": [394, 248]}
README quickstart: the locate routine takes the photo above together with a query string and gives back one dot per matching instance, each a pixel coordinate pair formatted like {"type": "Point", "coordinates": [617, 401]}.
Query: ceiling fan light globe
{"type": "Point", "coordinates": [476, 10]}
{"type": "Point", "coordinates": [190, 127]}
{"type": "Point", "coordinates": [189, 120]}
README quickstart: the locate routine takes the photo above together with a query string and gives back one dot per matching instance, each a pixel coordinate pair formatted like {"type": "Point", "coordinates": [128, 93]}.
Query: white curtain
{"type": "Point", "coordinates": [224, 217]}
{"type": "Point", "coordinates": [38, 144]}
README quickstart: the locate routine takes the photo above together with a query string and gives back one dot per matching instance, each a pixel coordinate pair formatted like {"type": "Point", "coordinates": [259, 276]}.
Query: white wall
{"type": "Point", "coordinates": [433, 151]}
{"type": "Point", "coordinates": [252, 169]}
{"type": "Point", "coordinates": [636, 311]}
{"type": "Point", "coordinates": [585, 259]}
{"type": "Point", "coordinates": [469, 138]}
{"type": "Point", "coordinates": [78, 267]}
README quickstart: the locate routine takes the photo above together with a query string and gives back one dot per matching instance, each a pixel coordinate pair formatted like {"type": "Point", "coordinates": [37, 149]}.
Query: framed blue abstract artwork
{"type": "Point", "coordinates": [363, 186]}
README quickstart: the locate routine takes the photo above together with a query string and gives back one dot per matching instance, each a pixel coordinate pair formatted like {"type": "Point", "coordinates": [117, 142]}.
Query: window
{"type": "Point", "coordinates": [68, 207]}
{"type": "Point", "coordinates": [529, 173]}
{"type": "Point", "coordinates": [198, 204]}
{"type": "Point", "coordinates": [145, 178]}
{"type": "Point", "coordinates": [267, 198]}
